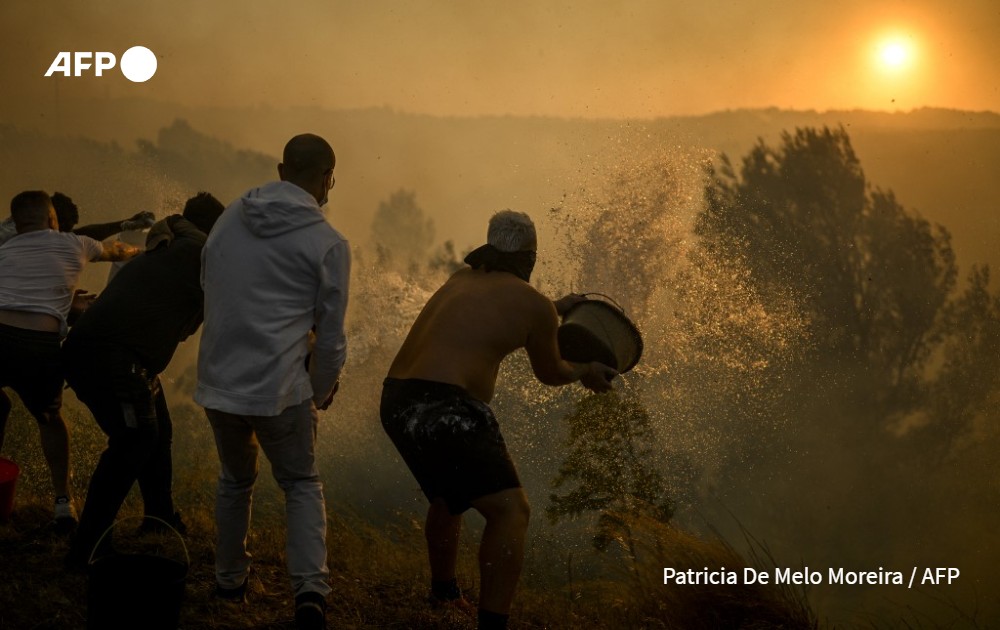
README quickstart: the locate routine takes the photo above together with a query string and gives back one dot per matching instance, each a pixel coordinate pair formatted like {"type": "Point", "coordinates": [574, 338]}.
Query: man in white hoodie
{"type": "Point", "coordinates": [273, 270]}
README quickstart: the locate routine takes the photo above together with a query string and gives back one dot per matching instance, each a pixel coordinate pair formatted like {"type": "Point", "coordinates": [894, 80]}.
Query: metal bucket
{"type": "Point", "coordinates": [598, 330]}
{"type": "Point", "coordinates": [136, 590]}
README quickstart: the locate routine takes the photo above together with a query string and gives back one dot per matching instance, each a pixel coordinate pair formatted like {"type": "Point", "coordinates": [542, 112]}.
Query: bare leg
{"type": "Point", "coordinates": [501, 553]}
{"type": "Point", "coordinates": [441, 531]}
{"type": "Point", "coordinates": [55, 447]}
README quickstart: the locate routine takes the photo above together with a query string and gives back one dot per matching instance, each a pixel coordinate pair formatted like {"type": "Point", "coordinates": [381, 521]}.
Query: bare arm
{"type": "Point", "coordinates": [101, 231]}
{"type": "Point", "coordinates": [548, 366]}
{"type": "Point", "coordinates": [116, 251]}
{"type": "Point", "coordinates": [82, 300]}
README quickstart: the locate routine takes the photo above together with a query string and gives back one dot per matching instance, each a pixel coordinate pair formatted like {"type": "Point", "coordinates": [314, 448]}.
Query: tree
{"type": "Point", "coordinates": [611, 464]}
{"type": "Point", "coordinates": [203, 162]}
{"type": "Point", "coordinates": [625, 236]}
{"type": "Point", "coordinates": [871, 277]}
{"type": "Point", "coordinates": [401, 232]}
{"type": "Point", "coordinates": [965, 393]}
{"type": "Point", "coordinates": [446, 259]}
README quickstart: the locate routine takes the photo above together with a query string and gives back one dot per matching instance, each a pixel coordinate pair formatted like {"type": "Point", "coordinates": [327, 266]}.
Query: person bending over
{"type": "Point", "coordinates": [112, 359]}
{"type": "Point", "coordinates": [39, 269]}
{"type": "Point", "coordinates": [435, 406]}
{"type": "Point", "coordinates": [67, 216]}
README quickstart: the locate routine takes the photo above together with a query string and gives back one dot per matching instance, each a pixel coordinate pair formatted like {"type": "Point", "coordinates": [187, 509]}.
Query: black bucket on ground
{"type": "Point", "coordinates": [598, 330]}
{"type": "Point", "coordinates": [136, 590]}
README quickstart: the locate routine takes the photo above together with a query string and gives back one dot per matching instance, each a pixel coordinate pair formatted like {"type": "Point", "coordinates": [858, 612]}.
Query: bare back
{"type": "Point", "coordinates": [471, 323]}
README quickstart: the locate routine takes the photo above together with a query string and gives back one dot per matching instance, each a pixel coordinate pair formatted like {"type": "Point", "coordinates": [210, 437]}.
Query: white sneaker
{"type": "Point", "coordinates": [65, 511]}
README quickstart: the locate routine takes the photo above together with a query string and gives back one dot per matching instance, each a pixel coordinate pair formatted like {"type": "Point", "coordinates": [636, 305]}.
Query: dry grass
{"type": "Point", "coordinates": [379, 573]}
{"type": "Point", "coordinates": [707, 606]}
{"type": "Point", "coordinates": [379, 580]}
{"type": "Point", "coordinates": [378, 577]}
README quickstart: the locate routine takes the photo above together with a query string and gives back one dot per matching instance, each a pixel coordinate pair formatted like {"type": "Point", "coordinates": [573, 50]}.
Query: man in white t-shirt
{"type": "Point", "coordinates": [39, 269]}
{"type": "Point", "coordinates": [68, 215]}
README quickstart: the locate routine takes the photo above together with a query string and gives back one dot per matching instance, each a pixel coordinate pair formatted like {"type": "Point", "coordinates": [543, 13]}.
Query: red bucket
{"type": "Point", "coordinates": [9, 473]}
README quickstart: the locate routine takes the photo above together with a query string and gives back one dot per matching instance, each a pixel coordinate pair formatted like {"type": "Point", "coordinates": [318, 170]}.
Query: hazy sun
{"type": "Point", "coordinates": [895, 53]}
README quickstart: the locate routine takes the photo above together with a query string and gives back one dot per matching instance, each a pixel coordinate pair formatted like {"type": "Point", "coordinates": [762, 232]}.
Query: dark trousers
{"type": "Point", "coordinates": [29, 364]}
{"type": "Point", "coordinates": [129, 406]}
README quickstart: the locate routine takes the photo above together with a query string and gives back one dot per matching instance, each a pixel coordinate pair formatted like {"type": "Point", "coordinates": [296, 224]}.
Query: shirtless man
{"type": "Point", "coordinates": [434, 406]}
{"type": "Point", "coordinates": [39, 269]}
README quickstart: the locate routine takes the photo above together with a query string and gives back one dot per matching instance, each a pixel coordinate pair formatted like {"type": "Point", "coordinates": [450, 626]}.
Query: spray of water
{"type": "Point", "coordinates": [731, 434]}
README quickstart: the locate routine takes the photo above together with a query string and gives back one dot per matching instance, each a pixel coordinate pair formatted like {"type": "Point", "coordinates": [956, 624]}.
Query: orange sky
{"type": "Point", "coordinates": [591, 58]}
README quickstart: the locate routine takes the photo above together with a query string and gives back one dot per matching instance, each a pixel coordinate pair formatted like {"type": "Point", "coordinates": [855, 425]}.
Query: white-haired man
{"type": "Point", "coordinates": [434, 406]}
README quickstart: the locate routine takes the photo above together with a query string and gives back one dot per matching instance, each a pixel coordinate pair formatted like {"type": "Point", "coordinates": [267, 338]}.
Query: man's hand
{"type": "Point", "coordinates": [598, 377]}
{"type": "Point", "coordinates": [139, 221]}
{"type": "Point", "coordinates": [81, 302]}
{"type": "Point", "coordinates": [329, 399]}
{"type": "Point", "coordinates": [566, 302]}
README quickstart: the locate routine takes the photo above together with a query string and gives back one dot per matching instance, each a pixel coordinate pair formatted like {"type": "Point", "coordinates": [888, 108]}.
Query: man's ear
{"type": "Point", "coordinates": [281, 171]}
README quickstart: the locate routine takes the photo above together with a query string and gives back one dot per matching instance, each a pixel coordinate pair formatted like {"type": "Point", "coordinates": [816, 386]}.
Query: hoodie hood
{"type": "Point", "coordinates": [175, 226]}
{"type": "Point", "coordinates": [277, 208]}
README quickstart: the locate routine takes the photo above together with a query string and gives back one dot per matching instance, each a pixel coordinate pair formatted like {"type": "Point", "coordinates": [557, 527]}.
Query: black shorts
{"type": "Point", "coordinates": [450, 441]}
{"type": "Point", "coordinates": [29, 364]}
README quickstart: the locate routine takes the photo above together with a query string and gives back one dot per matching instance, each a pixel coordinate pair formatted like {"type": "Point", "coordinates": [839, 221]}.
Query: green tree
{"type": "Point", "coordinates": [203, 162]}
{"type": "Point", "coordinates": [964, 395]}
{"type": "Point", "coordinates": [401, 233]}
{"type": "Point", "coordinates": [446, 259]}
{"type": "Point", "coordinates": [611, 468]}
{"type": "Point", "coordinates": [624, 238]}
{"type": "Point", "coordinates": [870, 277]}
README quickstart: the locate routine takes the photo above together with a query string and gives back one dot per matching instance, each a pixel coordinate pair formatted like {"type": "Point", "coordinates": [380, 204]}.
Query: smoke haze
{"type": "Point", "coordinates": [601, 121]}
{"type": "Point", "coordinates": [585, 59]}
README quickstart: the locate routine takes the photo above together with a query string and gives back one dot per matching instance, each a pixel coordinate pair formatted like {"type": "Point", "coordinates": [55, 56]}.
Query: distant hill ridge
{"type": "Point", "coordinates": [939, 162]}
{"type": "Point", "coordinates": [924, 118]}
{"type": "Point", "coordinates": [124, 120]}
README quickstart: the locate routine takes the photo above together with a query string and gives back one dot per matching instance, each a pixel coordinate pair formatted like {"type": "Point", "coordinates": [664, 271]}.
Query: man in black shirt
{"type": "Point", "coordinates": [112, 359]}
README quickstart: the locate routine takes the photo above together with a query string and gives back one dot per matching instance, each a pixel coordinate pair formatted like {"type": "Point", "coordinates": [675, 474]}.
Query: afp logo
{"type": "Point", "coordinates": [138, 64]}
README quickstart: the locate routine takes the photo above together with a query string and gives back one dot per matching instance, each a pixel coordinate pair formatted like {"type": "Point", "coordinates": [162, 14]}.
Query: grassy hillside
{"type": "Point", "coordinates": [378, 568]}
{"type": "Point", "coordinates": [746, 419]}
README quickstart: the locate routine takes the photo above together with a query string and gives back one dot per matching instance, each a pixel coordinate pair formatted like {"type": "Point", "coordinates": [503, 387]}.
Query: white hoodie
{"type": "Point", "coordinates": [272, 269]}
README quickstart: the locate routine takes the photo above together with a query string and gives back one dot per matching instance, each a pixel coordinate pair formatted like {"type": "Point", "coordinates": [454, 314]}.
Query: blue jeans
{"type": "Point", "coordinates": [289, 441]}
